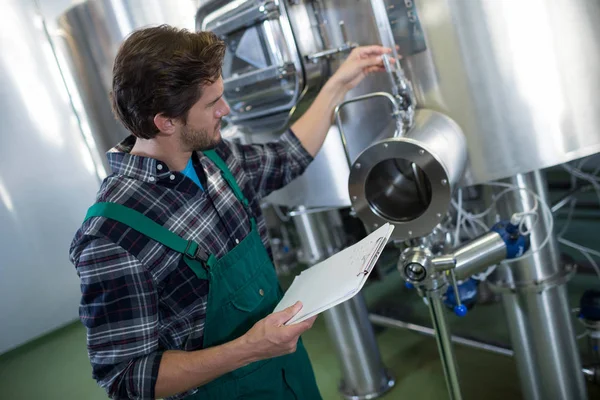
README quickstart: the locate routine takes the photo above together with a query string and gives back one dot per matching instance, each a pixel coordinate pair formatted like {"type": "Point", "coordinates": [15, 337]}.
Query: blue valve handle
{"type": "Point", "coordinates": [516, 243]}
{"type": "Point", "coordinates": [460, 310]}
{"type": "Point", "coordinates": [409, 285]}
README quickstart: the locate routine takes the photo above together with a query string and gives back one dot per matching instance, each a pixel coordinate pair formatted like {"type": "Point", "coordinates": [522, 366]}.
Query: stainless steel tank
{"type": "Point", "coordinates": [47, 179]}
{"type": "Point", "coordinates": [279, 55]}
{"type": "Point", "coordinates": [91, 33]}
{"type": "Point", "coordinates": [520, 82]}
{"type": "Point", "coordinates": [521, 78]}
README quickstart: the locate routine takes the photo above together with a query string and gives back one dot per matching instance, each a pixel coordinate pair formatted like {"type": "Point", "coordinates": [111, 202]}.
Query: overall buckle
{"type": "Point", "coordinates": [198, 254]}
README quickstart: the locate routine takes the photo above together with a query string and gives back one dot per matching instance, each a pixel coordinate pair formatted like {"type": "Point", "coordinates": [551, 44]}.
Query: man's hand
{"type": "Point", "coordinates": [182, 370]}
{"type": "Point", "coordinates": [313, 126]}
{"type": "Point", "coordinates": [269, 337]}
{"type": "Point", "coordinates": [361, 62]}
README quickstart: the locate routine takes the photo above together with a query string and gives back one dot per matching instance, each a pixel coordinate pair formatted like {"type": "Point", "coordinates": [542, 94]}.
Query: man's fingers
{"type": "Point", "coordinates": [300, 327]}
{"type": "Point", "coordinates": [284, 316]}
{"type": "Point", "coordinates": [376, 68]}
{"type": "Point", "coordinates": [310, 322]}
{"type": "Point", "coordinates": [371, 62]}
{"type": "Point", "coordinates": [372, 50]}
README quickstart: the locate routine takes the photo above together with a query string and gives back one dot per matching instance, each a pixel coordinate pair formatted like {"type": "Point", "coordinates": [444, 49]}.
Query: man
{"type": "Point", "coordinates": [177, 285]}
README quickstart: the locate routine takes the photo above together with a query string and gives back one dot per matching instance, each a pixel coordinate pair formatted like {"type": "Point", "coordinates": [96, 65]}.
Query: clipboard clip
{"type": "Point", "coordinates": [375, 255]}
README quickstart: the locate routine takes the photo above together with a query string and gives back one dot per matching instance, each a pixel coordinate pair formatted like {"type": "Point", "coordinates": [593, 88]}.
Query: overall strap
{"type": "Point", "coordinates": [227, 175]}
{"type": "Point", "coordinates": [193, 255]}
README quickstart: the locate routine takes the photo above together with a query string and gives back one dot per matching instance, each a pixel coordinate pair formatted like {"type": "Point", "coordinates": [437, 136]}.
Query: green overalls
{"type": "Point", "coordinates": [243, 289]}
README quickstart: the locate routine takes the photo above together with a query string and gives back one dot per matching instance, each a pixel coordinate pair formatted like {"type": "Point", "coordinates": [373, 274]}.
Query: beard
{"type": "Point", "coordinates": [200, 140]}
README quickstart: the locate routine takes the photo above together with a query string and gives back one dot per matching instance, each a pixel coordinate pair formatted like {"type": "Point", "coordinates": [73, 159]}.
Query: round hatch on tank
{"type": "Point", "coordinates": [408, 181]}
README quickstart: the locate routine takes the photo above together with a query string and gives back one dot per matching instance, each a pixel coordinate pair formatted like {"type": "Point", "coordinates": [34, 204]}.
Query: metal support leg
{"type": "Point", "coordinates": [534, 296]}
{"type": "Point", "coordinates": [348, 325]}
{"type": "Point", "coordinates": [364, 375]}
{"type": "Point", "coordinates": [444, 342]}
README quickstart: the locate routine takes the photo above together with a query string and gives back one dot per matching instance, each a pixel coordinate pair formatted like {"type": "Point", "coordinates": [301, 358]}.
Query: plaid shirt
{"type": "Point", "coordinates": [138, 297]}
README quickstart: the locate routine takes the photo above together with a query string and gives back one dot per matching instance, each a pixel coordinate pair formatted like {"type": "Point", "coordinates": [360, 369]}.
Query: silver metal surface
{"type": "Point", "coordinates": [89, 37]}
{"type": "Point", "coordinates": [383, 186]}
{"type": "Point", "coordinates": [321, 234]}
{"type": "Point", "coordinates": [351, 333]}
{"type": "Point", "coordinates": [363, 371]}
{"type": "Point", "coordinates": [261, 43]}
{"type": "Point", "coordinates": [478, 254]}
{"type": "Point", "coordinates": [325, 181]}
{"type": "Point", "coordinates": [345, 48]}
{"type": "Point", "coordinates": [540, 264]}
{"type": "Point", "coordinates": [393, 115]}
{"type": "Point", "coordinates": [444, 262]}
{"type": "Point", "coordinates": [437, 311]}
{"type": "Point", "coordinates": [245, 14]}
{"type": "Point", "coordinates": [539, 321]}
{"type": "Point", "coordinates": [316, 28]}
{"type": "Point", "coordinates": [262, 70]}
{"type": "Point", "coordinates": [520, 78]}
{"type": "Point", "coordinates": [547, 357]}
{"type": "Point", "coordinates": [47, 180]}
{"type": "Point", "coordinates": [415, 264]}
{"type": "Point", "coordinates": [394, 323]}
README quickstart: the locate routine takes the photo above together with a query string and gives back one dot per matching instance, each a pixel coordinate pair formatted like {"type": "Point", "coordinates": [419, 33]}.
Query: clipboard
{"type": "Point", "coordinates": [336, 279]}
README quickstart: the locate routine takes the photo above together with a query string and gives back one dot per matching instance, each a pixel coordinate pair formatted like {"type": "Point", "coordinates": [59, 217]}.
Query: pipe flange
{"type": "Point", "coordinates": [414, 264]}
{"type": "Point", "coordinates": [557, 279]}
{"type": "Point", "coordinates": [376, 158]}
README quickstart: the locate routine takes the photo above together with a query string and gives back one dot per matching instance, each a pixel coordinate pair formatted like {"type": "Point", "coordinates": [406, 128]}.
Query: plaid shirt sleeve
{"type": "Point", "coordinates": [119, 307]}
{"type": "Point", "coordinates": [273, 165]}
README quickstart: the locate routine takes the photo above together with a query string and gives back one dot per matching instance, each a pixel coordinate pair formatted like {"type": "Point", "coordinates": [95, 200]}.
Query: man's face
{"type": "Point", "coordinates": [203, 128]}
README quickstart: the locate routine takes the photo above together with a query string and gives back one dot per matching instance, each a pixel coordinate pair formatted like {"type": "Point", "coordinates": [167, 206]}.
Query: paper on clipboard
{"type": "Point", "coordinates": [336, 279]}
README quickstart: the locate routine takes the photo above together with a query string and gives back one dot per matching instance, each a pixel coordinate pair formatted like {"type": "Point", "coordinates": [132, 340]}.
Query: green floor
{"type": "Point", "coordinates": [56, 366]}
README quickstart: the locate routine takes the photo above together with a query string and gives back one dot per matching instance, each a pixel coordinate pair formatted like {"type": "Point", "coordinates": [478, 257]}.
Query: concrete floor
{"type": "Point", "coordinates": [56, 366]}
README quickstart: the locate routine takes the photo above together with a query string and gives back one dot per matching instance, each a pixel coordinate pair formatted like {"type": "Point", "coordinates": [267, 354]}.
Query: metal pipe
{"type": "Point", "coordinates": [363, 371]}
{"type": "Point", "coordinates": [569, 196]}
{"type": "Point", "coordinates": [424, 330]}
{"type": "Point", "coordinates": [442, 336]}
{"type": "Point", "coordinates": [478, 254]}
{"type": "Point", "coordinates": [591, 373]}
{"type": "Point", "coordinates": [338, 119]}
{"type": "Point", "coordinates": [473, 256]}
{"type": "Point", "coordinates": [537, 310]}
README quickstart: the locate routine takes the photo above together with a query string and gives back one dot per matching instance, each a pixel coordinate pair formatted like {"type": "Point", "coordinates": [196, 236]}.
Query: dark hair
{"type": "Point", "coordinates": [162, 70]}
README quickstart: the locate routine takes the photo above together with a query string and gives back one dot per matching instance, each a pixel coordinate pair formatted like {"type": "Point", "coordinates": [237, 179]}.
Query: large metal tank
{"type": "Point", "coordinates": [295, 36]}
{"type": "Point", "coordinates": [91, 33]}
{"type": "Point", "coordinates": [47, 180]}
{"type": "Point", "coordinates": [521, 78]}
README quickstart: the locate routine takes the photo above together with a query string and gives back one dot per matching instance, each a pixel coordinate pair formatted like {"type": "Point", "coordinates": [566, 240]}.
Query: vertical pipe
{"type": "Point", "coordinates": [444, 342]}
{"type": "Point", "coordinates": [348, 325]}
{"type": "Point", "coordinates": [523, 348]}
{"type": "Point", "coordinates": [364, 375]}
{"type": "Point", "coordinates": [538, 316]}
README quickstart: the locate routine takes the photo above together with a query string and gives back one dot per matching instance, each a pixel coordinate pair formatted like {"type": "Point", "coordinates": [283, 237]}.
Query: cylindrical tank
{"type": "Point", "coordinates": [521, 78]}
{"type": "Point", "coordinates": [92, 32]}
{"type": "Point", "coordinates": [47, 179]}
